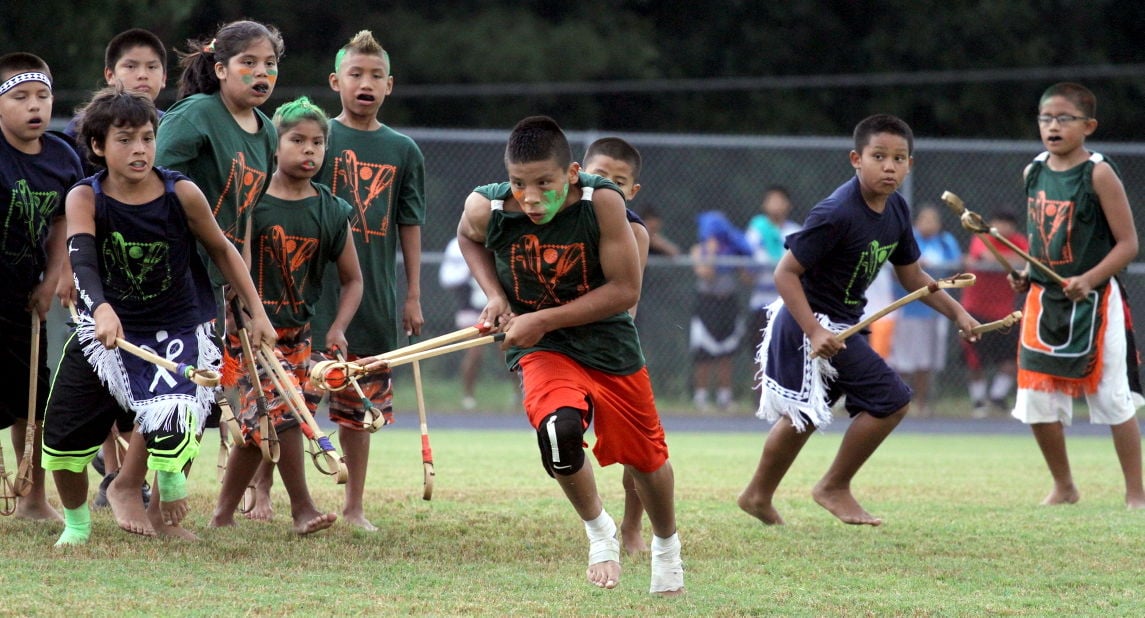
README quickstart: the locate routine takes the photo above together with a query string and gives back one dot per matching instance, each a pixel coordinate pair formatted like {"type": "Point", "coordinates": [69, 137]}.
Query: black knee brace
{"type": "Point", "coordinates": [560, 437]}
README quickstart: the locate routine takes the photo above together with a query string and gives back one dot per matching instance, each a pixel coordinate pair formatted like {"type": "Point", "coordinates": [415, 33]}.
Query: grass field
{"type": "Point", "coordinates": [964, 536]}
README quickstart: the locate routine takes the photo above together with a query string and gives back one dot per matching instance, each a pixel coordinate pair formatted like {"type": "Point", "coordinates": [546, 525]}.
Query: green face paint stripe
{"type": "Point", "coordinates": [552, 201]}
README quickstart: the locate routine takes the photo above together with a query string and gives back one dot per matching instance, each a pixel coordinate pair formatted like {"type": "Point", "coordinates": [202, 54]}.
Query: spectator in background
{"type": "Point", "coordinates": [766, 232]}
{"type": "Point", "coordinates": [880, 294]}
{"type": "Point", "coordinates": [658, 243]}
{"type": "Point", "coordinates": [991, 298]}
{"type": "Point", "coordinates": [455, 277]}
{"type": "Point", "coordinates": [717, 327]}
{"type": "Point", "coordinates": [920, 333]}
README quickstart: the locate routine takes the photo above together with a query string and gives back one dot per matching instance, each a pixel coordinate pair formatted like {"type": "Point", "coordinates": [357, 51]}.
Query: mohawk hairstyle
{"type": "Point", "coordinates": [362, 43]}
{"type": "Point", "coordinates": [1077, 94]}
{"type": "Point", "coordinates": [616, 148]}
{"type": "Point", "coordinates": [538, 138]}
{"type": "Point", "coordinates": [290, 114]}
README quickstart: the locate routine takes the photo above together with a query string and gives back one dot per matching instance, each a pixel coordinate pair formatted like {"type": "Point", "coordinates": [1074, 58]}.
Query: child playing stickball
{"type": "Point", "coordinates": [133, 233]}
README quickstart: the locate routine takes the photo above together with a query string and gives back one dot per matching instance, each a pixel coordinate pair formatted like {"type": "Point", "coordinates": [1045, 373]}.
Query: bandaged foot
{"type": "Point", "coordinates": [667, 568]}
{"type": "Point", "coordinates": [77, 526]}
{"type": "Point", "coordinates": [603, 551]}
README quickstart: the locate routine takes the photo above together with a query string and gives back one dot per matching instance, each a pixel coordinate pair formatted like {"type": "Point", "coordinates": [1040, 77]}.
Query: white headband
{"type": "Point", "coordinates": [19, 78]}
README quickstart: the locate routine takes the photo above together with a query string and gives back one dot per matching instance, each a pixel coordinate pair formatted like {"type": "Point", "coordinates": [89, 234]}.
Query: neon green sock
{"type": "Point", "coordinates": [172, 486]}
{"type": "Point", "coordinates": [77, 526]}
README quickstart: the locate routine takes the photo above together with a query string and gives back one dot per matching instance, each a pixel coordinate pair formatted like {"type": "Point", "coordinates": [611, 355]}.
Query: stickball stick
{"type": "Point", "coordinates": [24, 471]}
{"type": "Point", "coordinates": [1005, 322]}
{"type": "Point", "coordinates": [973, 221]}
{"type": "Point", "coordinates": [268, 436]}
{"type": "Point", "coordinates": [963, 280]}
{"type": "Point", "coordinates": [335, 462]}
{"type": "Point", "coordinates": [426, 451]}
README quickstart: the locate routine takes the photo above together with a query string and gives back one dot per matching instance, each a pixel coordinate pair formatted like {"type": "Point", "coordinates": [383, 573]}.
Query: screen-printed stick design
{"type": "Point", "coordinates": [546, 275]}
{"type": "Point", "coordinates": [288, 256]}
{"type": "Point", "coordinates": [134, 265]}
{"type": "Point", "coordinates": [870, 261]}
{"type": "Point", "coordinates": [27, 221]}
{"type": "Point", "coordinates": [367, 182]}
{"type": "Point", "coordinates": [1053, 220]}
{"type": "Point", "coordinates": [243, 188]}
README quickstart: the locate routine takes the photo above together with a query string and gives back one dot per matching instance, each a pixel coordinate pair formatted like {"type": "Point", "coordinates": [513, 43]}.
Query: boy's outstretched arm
{"type": "Point", "coordinates": [226, 257]}
{"type": "Point", "coordinates": [913, 277]}
{"type": "Point", "coordinates": [471, 231]}
{"type": "Point", "coordinates": [787, 282]}
{"type": "Point", "coordinates": [412, 319]}
{"type": "Point", "coordinates": [350, 279]}
{"type": "Point", "coordinates": [1115, 205]}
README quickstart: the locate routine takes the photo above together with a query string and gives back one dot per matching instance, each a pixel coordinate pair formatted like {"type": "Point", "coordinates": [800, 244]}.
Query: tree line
{"type": "Point", "coordinates": [961, 68]}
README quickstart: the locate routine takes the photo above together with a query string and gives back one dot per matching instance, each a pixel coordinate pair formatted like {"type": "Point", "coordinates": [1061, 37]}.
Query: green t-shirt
{"type": "Point", "coordinates": [199, 137]}
{"type": "Point", "coordinates": [381, 174]}
{"type": "Point", "coordinates": [292, 241]}
{"type": "Point", "coordinates": [542, 266]}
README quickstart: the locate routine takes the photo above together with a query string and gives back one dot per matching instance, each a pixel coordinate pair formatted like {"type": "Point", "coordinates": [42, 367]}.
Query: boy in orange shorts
{"type": "Point", "coordinates": [554, 253]}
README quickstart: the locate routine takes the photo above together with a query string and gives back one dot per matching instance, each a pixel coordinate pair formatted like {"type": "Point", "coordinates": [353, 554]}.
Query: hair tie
{"type": "Point", "coordinates": [209, 48]}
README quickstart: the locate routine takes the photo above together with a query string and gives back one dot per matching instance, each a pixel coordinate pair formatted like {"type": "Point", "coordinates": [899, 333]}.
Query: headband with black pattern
{"type": "Point", "coordinates": [19, 78]}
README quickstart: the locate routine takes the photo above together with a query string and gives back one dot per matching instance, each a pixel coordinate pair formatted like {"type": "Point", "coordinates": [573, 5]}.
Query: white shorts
{"type": "Point", "coordinates": [1111, 404]}
{"type": "Point", "coordinates": [919, 344]}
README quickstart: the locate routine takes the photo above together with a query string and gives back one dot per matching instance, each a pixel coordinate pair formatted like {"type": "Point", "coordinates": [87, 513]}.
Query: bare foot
{"type": "Point", "coordinates": [633, 541]}
{"type": "Point", "coordinates": [168, 530]}
{"type": "Point", "coordinates": [762, 510]}
{"type": "Point", "coordinates": [127, 506]}
{"type": "Point", "coordinates": [38, 510]}
{"type": "Point", "coordinates": [1062, 495]}
{"type": "Point", "coordinates": [262, 510]}
{"type": "Point", "coordinates": [841, 504]}
{"type": "Point", "coordinates": [174, 511]}
{"type": "Point", "coordinates": [218, 520]}
{"type": "Point", "coordinates": [604, 574]}
{"type": "Point", "coordinates": [309, 524]}
{"type": "Point", "coordinates": [1135, 500]}
{"type": "Point", "coordinates": [359, 520]}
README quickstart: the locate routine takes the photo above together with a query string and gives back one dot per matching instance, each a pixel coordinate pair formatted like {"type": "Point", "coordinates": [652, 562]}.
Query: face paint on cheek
{"type": "Point", "coordinates": [272, 76]}
{"type": "Point", "coordinates": [246, 76]}
{"type": "Point", "coordinates": [552, 201]}
{"type": "Point", "coordinates": [519, 195]}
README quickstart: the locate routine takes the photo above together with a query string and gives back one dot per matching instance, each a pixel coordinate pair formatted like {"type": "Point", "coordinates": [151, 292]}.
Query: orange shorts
{"type": "Point", "coordinates": [293, 352]}
{"type": "Point", "coordinates": [621, 409]}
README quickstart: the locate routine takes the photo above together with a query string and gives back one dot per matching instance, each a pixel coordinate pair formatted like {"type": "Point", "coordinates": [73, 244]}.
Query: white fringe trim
{"type": "Point", "coordinates": [153, 413]}
{"type": "Point", "coordinates": [776, 401]}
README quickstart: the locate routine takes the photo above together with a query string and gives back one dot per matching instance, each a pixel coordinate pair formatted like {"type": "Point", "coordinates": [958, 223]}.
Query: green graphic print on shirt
{"type": "Point", "coordinates": [135, 263]}
{"type": "Point", "coordinates": [32, 210]}
{"type": "Point", "coordinates": [867, 268]}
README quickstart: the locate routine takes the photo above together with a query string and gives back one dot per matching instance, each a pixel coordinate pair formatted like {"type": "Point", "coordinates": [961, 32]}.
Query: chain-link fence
{"type": "Point", "coordinates": [684, 175]}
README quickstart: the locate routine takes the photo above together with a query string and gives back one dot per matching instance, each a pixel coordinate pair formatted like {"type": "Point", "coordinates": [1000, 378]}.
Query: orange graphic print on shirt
{"type": "Point", "coordinates": [243, 189]}
{"type": "Point", "coordinates": [283, 264]}
{"type": "Point", "coordinates": [546, 275]}
{"type": "Point", "coordinates": [1052, 222]}
{"type": "Point", "coordinates": [369, 187]}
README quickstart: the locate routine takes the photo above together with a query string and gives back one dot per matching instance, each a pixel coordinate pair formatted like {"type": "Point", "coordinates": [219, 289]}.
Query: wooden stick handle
{"type": "Point", "coordinates": [1005, 322]}
{"type": "Point", "coordinates": [428, 344]}
{"type": "Point", "coordinates": [426, 451]}
{"type": "Point", "coordinates": [973, 222]}
{"type": "Point", "coordinates": [23, 485]}
{"type": "Point", "coordinates": [958, 281]}
{"type": "Point", "coordinates": [446, 349]}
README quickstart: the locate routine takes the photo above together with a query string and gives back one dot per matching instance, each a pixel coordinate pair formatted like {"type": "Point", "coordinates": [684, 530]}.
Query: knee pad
{"type": "Point", "coordinates": [560, 437]}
